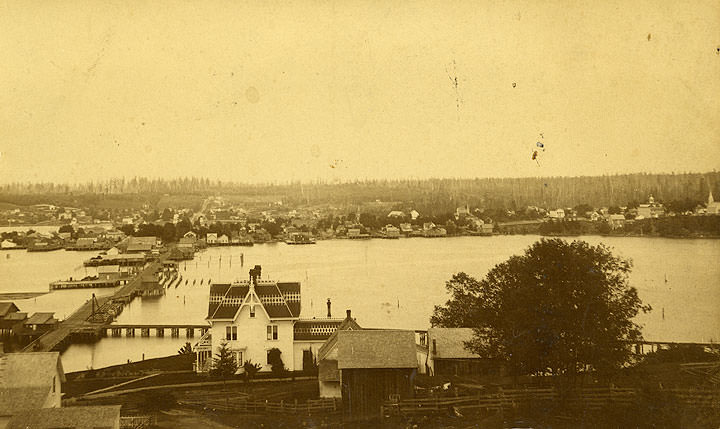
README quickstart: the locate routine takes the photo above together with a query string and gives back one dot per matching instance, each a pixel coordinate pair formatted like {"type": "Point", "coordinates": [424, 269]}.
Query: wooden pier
{"type": "Point", "coordinates": [93, 319]}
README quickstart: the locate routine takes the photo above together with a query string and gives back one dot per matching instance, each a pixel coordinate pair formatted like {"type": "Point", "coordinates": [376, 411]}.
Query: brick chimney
{"type": "Point", "coordinates": [348, 314]}
{"type": "Point", "coordinates": [329, 312]}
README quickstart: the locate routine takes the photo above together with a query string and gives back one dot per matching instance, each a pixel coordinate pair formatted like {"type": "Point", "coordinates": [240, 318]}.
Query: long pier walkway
{"type": "Point", "coordinates": [81, 322]}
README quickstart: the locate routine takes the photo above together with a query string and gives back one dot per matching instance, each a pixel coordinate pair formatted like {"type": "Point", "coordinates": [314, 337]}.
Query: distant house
{"type": "Point", "coordinates": [186, 243]}
{"type": "Point", "coordinates": [6, 324]}
{"type": "Point", "coordinates": [447, 355]}
{"type": "Point", "coordinates": [353, 232]}
{"type": "Point", "coordinates": [84, 417]}
{"type": "Point", "coordinates": [396, 214]}
{"type": "Point", "coordinates": [392, 231]}
{"type": "Point", "coordinates": [141, 244]}
{"type": "Point", "coordinates": [428, 226]}
{"type": "Point", "coordinates": [223, 239]}
{"type": "Point", "coordinates": [7, 308]}
{"type": "Point", "coordinates": [12, 324]}
{"type": "Point", "coordinates": [487, 228]}
{"type": "Point", "coordinates": [211, 238]}
{"type": "Point", "coordinates": [651, 209]}
{"type": "Point", "coordinates": [414, 214]}
{"type": "Point", "coordinates": [29, 382]}
{"type": "Point", "coordinates": [375, 366]}
{"type": "Point", "coordinates": [462, 212]}
{"type": "Point", "coordinates": [406, 228]}
{"type": "Point", "coordinates": [616, 221]}
{"type": "Point", "coordinates": [7, 244]}
{"type": "Point", "coordinates": [556, 214]}
{"type": "Point", "coordinates": [190, 234]}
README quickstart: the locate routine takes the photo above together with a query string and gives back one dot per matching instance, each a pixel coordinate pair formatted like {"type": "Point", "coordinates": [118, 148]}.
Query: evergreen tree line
{"type": "Point", "coordinates": [430, 195]}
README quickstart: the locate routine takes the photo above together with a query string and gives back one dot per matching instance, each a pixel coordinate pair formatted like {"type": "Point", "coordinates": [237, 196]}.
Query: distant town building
{"type": "Point", "coordinates": [7, 244]}
{"type": "Point", "coordinates": [414, 214]}
{"type": "Point", "coordinates": [651, 209]}
{"type": "Point", "coordinates": [713, 207]}
{"type": "Point", "coordinates": [396, 214]}
{"type": "Point", "coordinates": [556, 214]}
{"type": "Point", "coordinates": [462, 212]}
{"type": "Point", "coordinates": [616, 221]}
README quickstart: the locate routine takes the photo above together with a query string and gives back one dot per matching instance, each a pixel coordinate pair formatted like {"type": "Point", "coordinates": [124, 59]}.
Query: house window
{"type": "Point", "coordinates": [228, 333]}
{"type": "Point", "coordinates": [272, 332]}
{"type": "Point", "coordinates": [252, 311]}
{"type": "Point", "coordinates": [234, 332]}
{"type": "Point", "coordinates": [239, 359]}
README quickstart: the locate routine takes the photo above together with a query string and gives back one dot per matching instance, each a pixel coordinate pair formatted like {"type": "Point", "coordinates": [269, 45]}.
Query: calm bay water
{"type": "Point", "coordinates": [386, 283]}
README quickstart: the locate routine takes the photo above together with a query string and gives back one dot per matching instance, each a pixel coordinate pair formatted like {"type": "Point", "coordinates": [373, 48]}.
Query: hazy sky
{"type": "Point", "coordinates": [265, 91]}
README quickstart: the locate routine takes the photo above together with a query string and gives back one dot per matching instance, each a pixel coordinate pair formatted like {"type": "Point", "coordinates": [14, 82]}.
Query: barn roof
{"type": "Point", "coordinates": [450, 343]}
{"type": "Point", "coordinates": [29, 369]}
{"type": "Point", "coordinates": [376, 349]}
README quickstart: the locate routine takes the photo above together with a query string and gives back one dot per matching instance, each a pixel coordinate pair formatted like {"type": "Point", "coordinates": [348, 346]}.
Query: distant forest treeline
{"type": "Point", "coordinates": [433, 195]}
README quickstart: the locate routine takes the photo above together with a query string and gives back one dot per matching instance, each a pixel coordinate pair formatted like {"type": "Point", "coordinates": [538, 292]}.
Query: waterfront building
{"type": "Point", "coordinates": [255, 316]}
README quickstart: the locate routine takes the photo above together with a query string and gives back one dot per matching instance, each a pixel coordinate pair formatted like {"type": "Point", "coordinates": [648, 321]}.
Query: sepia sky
{"type": "Point", "coordinates": [303, 90]}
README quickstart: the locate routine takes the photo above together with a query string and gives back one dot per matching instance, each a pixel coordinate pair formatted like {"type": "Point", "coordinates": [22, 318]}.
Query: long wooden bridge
{"type": "Point", "coordinates": [90, 321]}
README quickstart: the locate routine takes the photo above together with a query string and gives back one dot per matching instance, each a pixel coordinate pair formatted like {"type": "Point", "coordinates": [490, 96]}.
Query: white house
{"type": "Point", "coordinates": [255, 316]}
{"type": "Point", "coordinates": [211, 238]}
{"type": "Point", "coordinates": [414, 214]}
{"type": "Point", "coordinates": [556, 214]}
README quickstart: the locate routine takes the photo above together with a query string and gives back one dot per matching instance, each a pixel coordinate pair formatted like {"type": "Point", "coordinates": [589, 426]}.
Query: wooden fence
{"type": "Point", "coordinates": [587, 398]}
{"type": "Point", "coordinates": [245, 405]}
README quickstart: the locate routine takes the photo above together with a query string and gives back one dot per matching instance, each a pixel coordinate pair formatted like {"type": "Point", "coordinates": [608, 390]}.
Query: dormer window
{"type": "Point", "coordinates": [252, 311]}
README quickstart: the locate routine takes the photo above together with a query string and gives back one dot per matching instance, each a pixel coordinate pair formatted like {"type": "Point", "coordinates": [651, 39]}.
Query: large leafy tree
{"type": "Point", "coordinates": [560, 308]}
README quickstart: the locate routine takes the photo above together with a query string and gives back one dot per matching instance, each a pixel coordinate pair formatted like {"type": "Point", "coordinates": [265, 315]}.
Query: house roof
{"type": "Point", "coordinates": [89, 417]}
{"type": "Point", "coordinates": [7, 307]}
{"type": "Point", "coordinates": [450, 343]}
{"type": "Point", "coordinates": [280, 300]}
{"type": "Point", "coordinates": [315, 329]}
{"type": "Point", "coordinates": [14, 400]}
{"type": "Point", "coordinates": [376, 349]}
{"type": "Point", "coordinates": [40, 319]}
{"type": "Point", "coordinates": [19, 315]}
{"type": "Point", "coordinates": [348, 324]}
{"type": "Point", "coordinates": [29, 369]}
